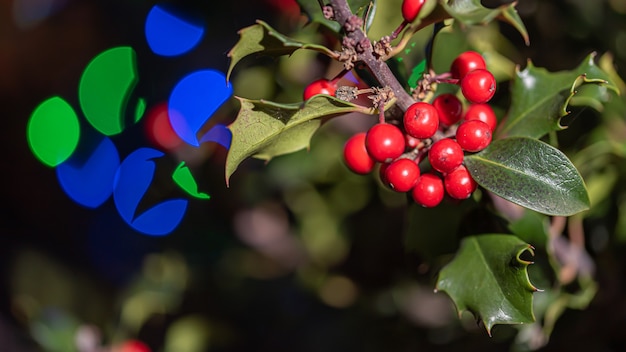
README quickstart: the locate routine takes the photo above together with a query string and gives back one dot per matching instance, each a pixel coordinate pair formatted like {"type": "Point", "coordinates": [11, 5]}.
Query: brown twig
{"type": "Point", "coordinates": [378, 68]}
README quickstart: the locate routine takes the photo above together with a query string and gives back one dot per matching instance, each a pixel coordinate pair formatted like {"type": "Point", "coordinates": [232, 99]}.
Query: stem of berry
{"type": "Point", "coordinates": [436, 16]}
{"type": "Point", "coordinates": [377, 67]}
{"type": "Point", "coordinates": [398, 30]}
{"type": "Point", "coordinates": [381, 112]}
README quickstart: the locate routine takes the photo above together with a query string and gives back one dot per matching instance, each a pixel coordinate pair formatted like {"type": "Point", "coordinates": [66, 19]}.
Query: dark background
{"type": "Point", "coordinates": [102, 257]}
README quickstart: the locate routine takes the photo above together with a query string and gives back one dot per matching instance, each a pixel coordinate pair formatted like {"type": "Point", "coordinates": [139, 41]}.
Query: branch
{"type": "Point", "coordinates": [378, 68]}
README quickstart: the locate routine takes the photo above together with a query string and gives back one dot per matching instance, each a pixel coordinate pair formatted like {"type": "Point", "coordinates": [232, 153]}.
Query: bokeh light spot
{"type": "Point", "coordinates": [140, 109]}
{"type": "Point", "coordinates": [131, 183]}
{"type": "Point", "coordinates": [88, 175]}
{"type": "Point", "coordinates": [171, 33]}
{"type": "Point", "coordinates": [184, 179]}
{"type": "Point", "coordinates": [219, 134]}
{"type": "Point", "coordinates": [159, 130]}
{"type": "Point", "coordinates": [194, 100]}
{"type": "Point", "coordinates": [53, 131]}
{"type": "Point", "coordinates": [105, 88]}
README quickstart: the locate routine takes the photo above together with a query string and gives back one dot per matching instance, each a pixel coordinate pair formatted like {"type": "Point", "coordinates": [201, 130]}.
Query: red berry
{"type": "Point", "coordinates": [473, 135]}
{"type": "Point", "coordinates": [449, 107]}
{"type": "Point", "coordinates": [445, 155]}
{"type": "Point", "coordinates": [428, 190]}
{"type": "Point", "coordinates": [482, 112]}
{"type": "Point", "coordinates": [459, 184]}
{"type": "Point", "coordinates": [466, 62]}
{"type": "Point", "coordinates": [402, 174]}
{"type": "Point", "coordinates": [320, 86]}
{"type": "Point", "coordinates": [384, 142]}
{"type": "Point", "coordinates": [411, 8]}
{"type": "Point", "coordinates": [355, 155]}
{"type": "Point", "coordinates": [478, 86]}
{"type": "Point", "coordinates": [421, 120]}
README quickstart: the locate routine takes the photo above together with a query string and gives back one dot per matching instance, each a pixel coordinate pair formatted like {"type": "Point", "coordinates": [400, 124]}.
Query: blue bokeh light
{"type": "Point", "coordinates": [172, 34]}
{"type": "Point", "coordinates": [88, 175]}
{"type": "Point", "coordinates": [219, 134]}
{"type": "Point", "coordinates": [194, 100]}
{"type": "Point", "coordinates": [131, 183]}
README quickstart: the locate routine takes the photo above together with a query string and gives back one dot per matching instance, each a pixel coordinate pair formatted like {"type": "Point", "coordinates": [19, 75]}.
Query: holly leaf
{"type": "Point", "coordinates": [540, 98]}
{"type": "Point", "coordinates": [260, 38]}
{"type": "Point", "coordinates": [472, 12]}
{"type": "Point", "coordinates": [314, 12]}
{"type": "Point", "coordinates": [530, 173]}
{"type": "Point", "coordinates": [488, 278]}
{"type": "Point", "coordinates": [264, 129]}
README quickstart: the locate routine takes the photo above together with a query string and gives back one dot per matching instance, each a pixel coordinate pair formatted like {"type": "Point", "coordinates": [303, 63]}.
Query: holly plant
{"type": "Point", "coordinates": [452, 121]}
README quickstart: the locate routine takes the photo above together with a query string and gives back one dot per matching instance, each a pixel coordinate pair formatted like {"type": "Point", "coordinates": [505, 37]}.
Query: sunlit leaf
{"type": "Point", "coordinates": [530, 173]}
{"type": "Point", "coordinates": [539, 98]}
{"type": "Point", "coordinates": [264, 129]}
{"type": "Point", "coordinates": [260, 38]}
{"type": "Point", "coordinates": [488, 278]}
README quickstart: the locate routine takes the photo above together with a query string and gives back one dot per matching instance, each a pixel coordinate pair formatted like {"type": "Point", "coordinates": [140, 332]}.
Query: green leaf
{"type": "Point", "coordinates": [260, 38]}
{"type": "Point", "coordinates": [530, 173]}
{"type": "Point", "coordinates": [264, 129]}
{"type": "Point", "coordinates": [314, 12]}
{"type": "Point", "coordinates": [488, 278]}
{"type": "Point", "coordinates": [472, 12]}
{"type": "Point", "coordinates": [539, 98]}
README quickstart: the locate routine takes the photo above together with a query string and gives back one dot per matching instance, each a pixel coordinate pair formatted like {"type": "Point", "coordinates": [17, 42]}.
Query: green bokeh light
{"type": "Point", "coordinates": [184, 179]}
{"type": "Point", "coordinates": [140, 109]}
{"type": "Point", "coordinates": [53, 131]}
{"type": "Point", "coordinates": [416, 74]}
{"type": "Point", "coordinates": [105, 88]}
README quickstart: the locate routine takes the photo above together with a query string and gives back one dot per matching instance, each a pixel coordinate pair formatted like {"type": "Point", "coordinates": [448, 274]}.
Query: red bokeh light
{"type": "Point", "coordinates": [159, 130]}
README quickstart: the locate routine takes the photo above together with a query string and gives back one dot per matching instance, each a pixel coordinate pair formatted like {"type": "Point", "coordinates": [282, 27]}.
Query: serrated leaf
{"type": "Point", "coordinates": [264, 129]}
{"type": "Point", "coordinates": [472, 12]}
{"type": "Point", "coordinates": [314, 12]}
{"type": "Point", "coordinates": [530, 173]}
{"type": "Point", "coordinates": [488, 278]}
{"type": "Point", "coordinates": [260, 38]}
{"type": "Point", "coordinates": [539, 98]}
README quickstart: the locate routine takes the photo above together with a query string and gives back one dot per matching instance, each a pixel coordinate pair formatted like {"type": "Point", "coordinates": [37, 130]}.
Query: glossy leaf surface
{"type": "Point", "coordinates": [539, 97]}
{"type": "Point", "coordinates": [530, 173]}
{"type": "Point", "coordinates": [488, 278]}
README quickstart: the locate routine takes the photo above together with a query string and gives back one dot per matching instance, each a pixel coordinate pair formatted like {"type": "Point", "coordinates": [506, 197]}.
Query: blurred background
{"type": "Point", "coordinates": [296, 255]}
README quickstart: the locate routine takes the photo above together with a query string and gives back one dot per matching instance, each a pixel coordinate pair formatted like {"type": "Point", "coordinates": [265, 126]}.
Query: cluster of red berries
{"type": "Point", "coordinates": [400, 150]}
